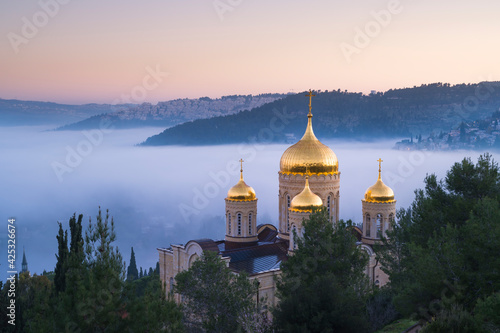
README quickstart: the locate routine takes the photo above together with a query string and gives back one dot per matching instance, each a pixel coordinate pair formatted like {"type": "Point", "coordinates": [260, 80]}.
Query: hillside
{"type": "Point", "coordinates": [175, 112]}
{"type": "Point", "coordinates": [341, 114]}
{"type": "Point", "coordinates": [25, 113]}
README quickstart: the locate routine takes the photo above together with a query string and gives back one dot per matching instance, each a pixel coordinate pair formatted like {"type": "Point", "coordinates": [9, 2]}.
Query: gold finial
{"type": "Point", "coordinates": [379, 167]}
{"type": "Point", "coordinates": [310, 95]}
{"type": "Point", "coordinates": [241, 168]}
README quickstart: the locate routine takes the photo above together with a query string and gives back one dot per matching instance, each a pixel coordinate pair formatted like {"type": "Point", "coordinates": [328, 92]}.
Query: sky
{"type": "Point", "coordinates": [75, 51]}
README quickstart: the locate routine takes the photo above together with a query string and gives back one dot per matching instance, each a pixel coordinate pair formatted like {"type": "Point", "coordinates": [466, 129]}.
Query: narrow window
{"type": "Point", "coordinates": [229, 223]}
{"type": "Point", "coordinates": [328, 201]}
{"type": "Point", "coordinates": [250, 223]}
{"type": "Point", "coordinates": [171, 284]}
{"type": "Point", "coordinates": [391, 221]}
{"type": "Point", "coordinates": [239, 224]}
{"type": "Point", "coordinates": [287, 213]}
{"type": "Point", "coordinates": [295, 232]}
{"type": "Point", "coordinates": [379, 225]}
{"type": "Point", "coordinates": [368, 225]}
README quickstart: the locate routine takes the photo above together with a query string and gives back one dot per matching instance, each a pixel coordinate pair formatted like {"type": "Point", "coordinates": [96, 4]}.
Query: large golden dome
{"type": "Point", "coordinates": [309, 155]}
{"type": "Point", "coordinates": [305, 199]}
{"type": "Point", "coordinates": [241, 191]}
{"type": "Point", "coordinates": [379, 192]}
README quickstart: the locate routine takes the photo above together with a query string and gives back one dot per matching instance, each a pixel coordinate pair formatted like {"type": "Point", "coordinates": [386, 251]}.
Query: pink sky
{"type": "Point", "coordinates": [98, 51]}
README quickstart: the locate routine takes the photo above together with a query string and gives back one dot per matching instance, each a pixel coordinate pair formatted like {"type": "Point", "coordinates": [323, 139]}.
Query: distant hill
{"type": "Point", "coordinates": [22, 113]}
{"type": "Point", "coordinates": [341, 114]}
{"type": "Point", "coordinates": [165, 114]}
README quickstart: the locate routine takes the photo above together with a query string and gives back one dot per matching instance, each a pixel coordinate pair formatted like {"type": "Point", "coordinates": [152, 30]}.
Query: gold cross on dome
{"type": "Point", "coordinates": [241, 163]}
{"type": "Point", "coordinates": [310, 95]}
{"type": "Point", "coordinates": [379, 166]}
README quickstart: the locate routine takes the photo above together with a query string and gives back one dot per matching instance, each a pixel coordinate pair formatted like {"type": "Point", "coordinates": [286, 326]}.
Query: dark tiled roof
{"type": "Point", "coordinates": [267, 235]}
{"type": "Point", "coordinates": [207, 244]}
{"type": "Point", "coordinates": [258, 258]}
{"type": "Point", "coordinates": [357, 233]}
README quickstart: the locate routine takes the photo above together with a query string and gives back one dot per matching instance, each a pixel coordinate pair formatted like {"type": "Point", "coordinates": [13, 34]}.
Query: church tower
{"type": "Point", "coordinates": [241, 213]}
{"type": "Point", "coordinates": [301, 208]}
{"type": "Point", "coordinates": [308, 157]}
{"type": "Point", "coordinates": [24, 264]}
{"type": "Point", "coordinates": [379, 209]}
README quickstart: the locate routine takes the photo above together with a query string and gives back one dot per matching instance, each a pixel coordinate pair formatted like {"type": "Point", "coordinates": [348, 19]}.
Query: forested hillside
{"type": "Point", "coordinates": [342, 114]}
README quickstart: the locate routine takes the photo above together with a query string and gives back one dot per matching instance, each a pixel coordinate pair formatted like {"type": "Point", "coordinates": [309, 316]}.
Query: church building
{"type": "Point", "coordinates": [309, 177]}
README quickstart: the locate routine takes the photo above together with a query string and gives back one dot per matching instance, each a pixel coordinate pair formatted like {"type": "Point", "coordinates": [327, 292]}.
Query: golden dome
{"type": "Point", "coordinates": [241, 191]}
{"type": "Point", "coordinates": [309, 154]}
{"type": "Point", "coordinates": [305, 199]}
{"type": "Point", "coordinates": [379, 192]}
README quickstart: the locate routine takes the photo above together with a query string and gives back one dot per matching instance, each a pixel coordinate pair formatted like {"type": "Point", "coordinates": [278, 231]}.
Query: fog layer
{"type": "Point", "coordinates": [164, 195]}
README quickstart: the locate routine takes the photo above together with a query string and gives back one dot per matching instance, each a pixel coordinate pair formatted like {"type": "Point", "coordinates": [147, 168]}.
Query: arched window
{"type": "Point", "coordinates": [229, 223]}
{"type": "Point", "coordinates": [380, 225]}
{"type": "Point", "coordinates": [328, 205]}
{"type": "Point", "coordinates": [294, 233]}
{"type": "Point", "coordinates": [368, 223]}
{"type": "Point", "coordinates": [287, 214]}
{"type": "Point", "coordinates": [171, 284]}
{"type": "Point", "coordinates": [391, 221]}
{"type": "Point", "coordinates": [250, 223]}
{"type": "Point", "coordinates": [239, 224]}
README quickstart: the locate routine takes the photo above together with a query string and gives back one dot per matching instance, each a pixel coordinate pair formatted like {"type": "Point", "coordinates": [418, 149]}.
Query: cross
{"type": "Point", "coordinates": [241, 163]}
{"type": "Point", "coordinates": [379, 166]}
{"type": "Point", "coordinates": [310, 95]}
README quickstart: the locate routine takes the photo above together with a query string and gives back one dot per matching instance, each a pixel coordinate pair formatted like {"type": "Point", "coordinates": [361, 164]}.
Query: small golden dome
{"type": "Point", "coordinates": [379, 192]}
{"type": "Point", "coordinates": [309, 155]}
{"type": "Point", "coordinates": [241, 191]}
{"type": "Point", "coordinates": [305, 199]}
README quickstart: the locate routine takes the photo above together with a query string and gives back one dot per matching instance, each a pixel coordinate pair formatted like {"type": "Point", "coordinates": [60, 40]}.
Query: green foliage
{"type": "Point", "coordinates": [132, 273]}
{"type": "Point", "coordinates": [323, 286]}
{"type": "Point", "coordinates": [148, 310]}
{"type": "Point", "coordinates": [215, 298]}
{"type": "Point", "coordinates": [453, 320]}
{"type": "Point", "coordinates": [442, 256]}
{"type": "Point", "coordinates": [487, 313]}
{"type": "Point", "coordinates": [380, 308]}
{"type": "Point", "coordinates": [93, 296]}
{"type": "Point", "coordinates": [62, 257]}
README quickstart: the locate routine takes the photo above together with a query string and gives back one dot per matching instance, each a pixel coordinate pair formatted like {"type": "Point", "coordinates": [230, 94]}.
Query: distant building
{"type": "Point", "coordinates": [24, 264]}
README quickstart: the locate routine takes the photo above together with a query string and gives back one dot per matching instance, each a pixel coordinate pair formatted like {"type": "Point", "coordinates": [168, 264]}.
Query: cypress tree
{"type": "Point", "coordinates": [132, 273]}
{"type": "Point", "coordinates": [141, 273]}
{"type": "Point", "coordinates": [157, 269]}
{"type": "Point", "coordinates": [62, 258]}
{"type": "Point", "coordinates": [76, 245]}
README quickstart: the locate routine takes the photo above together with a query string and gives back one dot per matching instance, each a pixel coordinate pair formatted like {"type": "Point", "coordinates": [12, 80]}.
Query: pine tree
{"type": "Point", "coordinates": [323, 285]}
{"type": "Point", "coordinates": [157, 269]}
{"type": "Point", "coordinates": [141, 274]}
{"type": "Point", "coordinates": [62, 258]}
{"type": "Point", "coordinates": [132, 273]}
{"type": "Point", "coordinates": [216, 299]}
{"type": "Point", "coordinates": [76, 245]}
